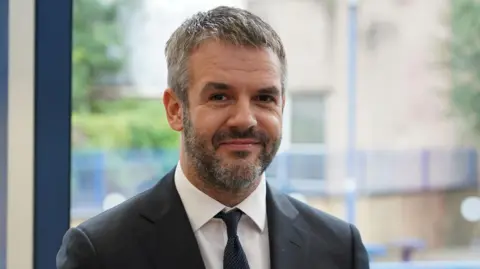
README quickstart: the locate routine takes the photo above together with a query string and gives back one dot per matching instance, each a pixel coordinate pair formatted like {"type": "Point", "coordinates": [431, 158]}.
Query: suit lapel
{"type": "Point", "coordinates": [168, 240]}
{"type": "Point", "coordinates": [167, 236]}
{"type": "Point", "coordinates": [287, 240]}
{"type": "Point", "coordinates": [293, 244]}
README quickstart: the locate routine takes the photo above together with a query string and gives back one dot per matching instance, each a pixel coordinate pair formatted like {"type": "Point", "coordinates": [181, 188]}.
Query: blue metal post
{"type": "Point", "coordinates": [99, 177]}
{"type": "Point", "coordinates": [282, 172]}
{"type": "Point", "coordinates": [473, 167]}
{"type": "Point", "coordinates": [425, 170]}
{"type": "Point", "coordinates": [351, 180]}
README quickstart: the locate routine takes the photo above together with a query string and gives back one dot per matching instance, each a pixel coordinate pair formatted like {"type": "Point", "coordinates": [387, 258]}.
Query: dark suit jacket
{"type": "Point", "coordinates": [152, 230]}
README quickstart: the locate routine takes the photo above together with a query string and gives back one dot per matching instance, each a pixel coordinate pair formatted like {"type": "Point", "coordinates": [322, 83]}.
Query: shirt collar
{"type": "Point", "coordinates": [201, 208]}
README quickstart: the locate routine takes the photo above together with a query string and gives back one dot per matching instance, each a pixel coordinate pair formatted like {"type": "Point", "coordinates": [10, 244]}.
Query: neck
{"type": "Point", "coordinates": [227, 198]}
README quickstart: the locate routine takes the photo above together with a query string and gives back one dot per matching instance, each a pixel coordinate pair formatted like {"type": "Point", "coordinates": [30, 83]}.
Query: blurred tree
{"type": "Point", "coordinates": [128, 124]}
{"type": "Point", "coordinates": [464, 53]}
{"type": "Point", "coordinates": [97, 49]}
{"type": "Point", "coordinates": [98, 58]}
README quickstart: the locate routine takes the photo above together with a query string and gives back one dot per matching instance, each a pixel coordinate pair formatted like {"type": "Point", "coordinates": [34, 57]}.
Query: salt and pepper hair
{"type": "Point", "coordinates": [226, 24]}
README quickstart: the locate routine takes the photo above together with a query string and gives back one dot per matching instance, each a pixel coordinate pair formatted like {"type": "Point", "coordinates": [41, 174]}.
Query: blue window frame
{"type": "Point", "coordinates": [53, 34]}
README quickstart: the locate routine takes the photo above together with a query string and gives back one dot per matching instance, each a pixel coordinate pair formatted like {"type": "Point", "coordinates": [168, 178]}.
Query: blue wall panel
{"type": "Point", "coordinates": [53, 36]}
{"type": "Point", "coordinates": [3, 127]}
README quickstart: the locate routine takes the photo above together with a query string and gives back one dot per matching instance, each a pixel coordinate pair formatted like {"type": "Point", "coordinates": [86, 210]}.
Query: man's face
{"type": "Point", "coordinates": [233, 122]}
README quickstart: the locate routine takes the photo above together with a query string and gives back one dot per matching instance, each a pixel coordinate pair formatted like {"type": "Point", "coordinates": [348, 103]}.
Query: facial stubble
{"type": "Point", "coordinates": [234, 176]}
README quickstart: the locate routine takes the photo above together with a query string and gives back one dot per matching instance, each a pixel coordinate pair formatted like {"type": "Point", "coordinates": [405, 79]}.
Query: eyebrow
{"type": "Point", "coordinates": [270, 90]}
{"type": "Point", "coordinates": [219, 86]}
{"type": "Point", "coordinates": [216, 86]}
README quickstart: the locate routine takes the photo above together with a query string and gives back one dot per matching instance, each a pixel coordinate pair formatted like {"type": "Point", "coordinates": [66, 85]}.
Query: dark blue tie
{"type": "Point", "coordinates": [233, 256]}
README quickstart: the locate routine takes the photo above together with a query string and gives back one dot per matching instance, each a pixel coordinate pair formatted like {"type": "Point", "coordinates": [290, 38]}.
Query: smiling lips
{"type": "Point", "coordinates": [240, 144]}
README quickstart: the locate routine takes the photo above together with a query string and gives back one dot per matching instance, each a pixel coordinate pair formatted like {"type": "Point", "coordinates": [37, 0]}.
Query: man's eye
{"type": "Point", "coordinates": [266, 98]}
{"type": "Point", "coordinates": [218, 97]}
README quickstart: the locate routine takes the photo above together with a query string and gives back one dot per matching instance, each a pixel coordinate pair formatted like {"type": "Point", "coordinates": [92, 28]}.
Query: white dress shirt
{"type": "Point", "coordinates": [211, 233]}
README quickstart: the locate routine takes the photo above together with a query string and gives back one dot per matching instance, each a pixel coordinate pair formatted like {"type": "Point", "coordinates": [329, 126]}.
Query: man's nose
{"type": "Point", "coordinates": [242, 116]}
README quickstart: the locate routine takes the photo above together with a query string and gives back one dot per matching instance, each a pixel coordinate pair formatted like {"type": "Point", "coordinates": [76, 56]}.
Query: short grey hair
{"type": "Point", "coordinates": [227, 24]}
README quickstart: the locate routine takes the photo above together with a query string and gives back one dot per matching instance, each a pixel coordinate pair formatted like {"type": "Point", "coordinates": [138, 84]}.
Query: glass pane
{"type": "Point", "coordinates": [399, 126]}
{"type": "Point", "coordinates": [308, 118]}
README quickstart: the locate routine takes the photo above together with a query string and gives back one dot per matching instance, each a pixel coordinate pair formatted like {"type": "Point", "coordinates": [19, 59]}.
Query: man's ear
{"type": "Point", "coordinates": [173, 109]}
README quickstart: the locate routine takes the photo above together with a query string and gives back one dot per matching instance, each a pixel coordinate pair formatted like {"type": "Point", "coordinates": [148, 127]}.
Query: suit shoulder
{"type": "Point", "coordinates": [321, 221]}
{"type": "Point", "coordinates": [113, 219]}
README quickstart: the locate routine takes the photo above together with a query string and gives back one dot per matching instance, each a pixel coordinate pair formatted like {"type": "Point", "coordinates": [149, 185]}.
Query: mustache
{"type": "Point", "coordinates": [235, 133]}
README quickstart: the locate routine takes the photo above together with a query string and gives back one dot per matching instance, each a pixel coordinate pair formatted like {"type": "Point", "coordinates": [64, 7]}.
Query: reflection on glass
{"type": "Point", "coordinates": [417, 116]}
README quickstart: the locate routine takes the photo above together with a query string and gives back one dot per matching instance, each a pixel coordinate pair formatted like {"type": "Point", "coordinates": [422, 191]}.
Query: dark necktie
{"type": "Point", "coordinates": [233, 256]}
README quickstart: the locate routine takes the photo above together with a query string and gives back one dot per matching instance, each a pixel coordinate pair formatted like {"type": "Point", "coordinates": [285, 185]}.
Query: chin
{"type": "Point", "coordinates": [240, 162]}
{"type": "Point", "coordinates": [242, 156]}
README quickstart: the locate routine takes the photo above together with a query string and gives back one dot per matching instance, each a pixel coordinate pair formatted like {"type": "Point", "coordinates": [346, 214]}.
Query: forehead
{"type": "Point", "coordinates": [235, 65]}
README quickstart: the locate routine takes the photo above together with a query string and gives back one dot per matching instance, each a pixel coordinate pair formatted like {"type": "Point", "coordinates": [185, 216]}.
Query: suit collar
{"type": "Point", "coordinates": [163, 212]}
{"type": "Point", "coordinates": [291, 237]}
{"type": "Point", "coordinates": [201, 208]}
{"type": "Point", "coordinates": [287, 237]}
{"type": "Point", "coordinates": [166, 233]}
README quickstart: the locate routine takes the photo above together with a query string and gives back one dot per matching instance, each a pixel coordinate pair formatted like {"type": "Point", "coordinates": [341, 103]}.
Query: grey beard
{"type": "Point", "coordinates": [231, 178]}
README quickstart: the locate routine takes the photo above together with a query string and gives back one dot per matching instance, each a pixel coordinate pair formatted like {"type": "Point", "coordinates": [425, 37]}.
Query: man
{"type": "Point", "coordinates": [226, 76]}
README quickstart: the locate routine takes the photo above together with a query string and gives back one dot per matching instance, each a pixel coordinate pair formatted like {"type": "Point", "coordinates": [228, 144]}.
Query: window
{"type": "Point", "coordinates": [307, 118]}
{"type": "Point", "coordinates": [305, 158]}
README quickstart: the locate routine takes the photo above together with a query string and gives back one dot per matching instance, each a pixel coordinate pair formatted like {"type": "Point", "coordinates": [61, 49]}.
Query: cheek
{"type": "Point", "coordinates": [206, 124]}
{"type": "Point", "coordinates": [272, 124]}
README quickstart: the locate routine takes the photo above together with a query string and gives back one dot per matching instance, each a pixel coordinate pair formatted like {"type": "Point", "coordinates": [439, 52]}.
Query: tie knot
{"type": "Point", "coordinates": [231, 219]}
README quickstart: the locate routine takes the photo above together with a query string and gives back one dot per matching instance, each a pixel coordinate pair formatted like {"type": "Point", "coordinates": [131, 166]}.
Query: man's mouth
{"type": "Point", "coordinates": [240, 144]}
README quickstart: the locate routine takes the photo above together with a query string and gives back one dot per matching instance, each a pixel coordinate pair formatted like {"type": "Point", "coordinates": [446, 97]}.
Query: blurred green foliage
{"type": "Point", "coordinates": [98, 57]}
{"type": "Point", "coordinates": [98, 50]}
{"type": "Point", "coordinates": [464, 50]}
{"type": "Point", "coordinates": [127, 124]}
